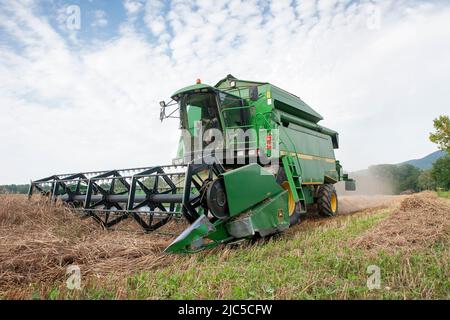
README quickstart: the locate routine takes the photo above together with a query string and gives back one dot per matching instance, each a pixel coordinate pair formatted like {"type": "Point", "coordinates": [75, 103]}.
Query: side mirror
{"type": "Point", "coordinates": [253, 93]}
{"type": "Point", "coordinates": [350, 185]}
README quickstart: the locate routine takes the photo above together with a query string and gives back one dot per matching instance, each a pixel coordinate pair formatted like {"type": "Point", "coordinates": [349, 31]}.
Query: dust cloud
{"type": "Point", "coordinates": [367, 185]}
{"type": "Point", "coordinates": [371, 192]}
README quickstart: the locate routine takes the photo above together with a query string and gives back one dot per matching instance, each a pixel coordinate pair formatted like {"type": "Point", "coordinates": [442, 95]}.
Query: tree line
{"type": "Point", "coordinates": [405, 177]}
{"type": "Point", "coordinates": [14, 188]}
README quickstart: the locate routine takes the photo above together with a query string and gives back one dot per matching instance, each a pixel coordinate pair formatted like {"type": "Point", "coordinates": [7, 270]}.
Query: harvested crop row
{"type": "Point", "coordinates": [420, 220]}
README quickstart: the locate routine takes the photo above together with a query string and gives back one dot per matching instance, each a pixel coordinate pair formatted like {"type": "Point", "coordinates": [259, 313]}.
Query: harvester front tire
{"type": "Point", "coordinates": [294, 218]}
{"type": "Point", "coordinates": [327, 200]}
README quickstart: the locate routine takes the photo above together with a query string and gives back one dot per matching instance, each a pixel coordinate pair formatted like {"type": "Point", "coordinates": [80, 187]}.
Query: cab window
{"type": "Point", "coordinates": [233, 117]}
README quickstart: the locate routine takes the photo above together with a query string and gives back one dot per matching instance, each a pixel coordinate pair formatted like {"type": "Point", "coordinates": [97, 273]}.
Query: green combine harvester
{"type": "Point", "coordinates": [252, 160]}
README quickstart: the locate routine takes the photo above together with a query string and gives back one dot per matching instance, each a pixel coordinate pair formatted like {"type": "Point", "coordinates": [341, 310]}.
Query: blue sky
{"type": "Point", "coordinates": [111, 11]}
{"type": "Point", "coordinates": [87, 98]}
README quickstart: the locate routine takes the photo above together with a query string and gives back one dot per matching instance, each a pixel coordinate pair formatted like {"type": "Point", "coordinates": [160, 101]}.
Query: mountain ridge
{"type": "Point", "coordinates": [423, 163]}
{"type": "Point", "coordinates": [427, 161]}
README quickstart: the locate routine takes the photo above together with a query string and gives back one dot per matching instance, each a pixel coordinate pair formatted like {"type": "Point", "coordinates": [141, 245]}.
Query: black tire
{"type": "Point", "coordinates": [325, 196]}
{"type": "Point", "coordinates": [295, 217]}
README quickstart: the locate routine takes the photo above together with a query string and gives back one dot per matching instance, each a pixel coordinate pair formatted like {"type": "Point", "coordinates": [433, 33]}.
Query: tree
{"type": "Point", "coordinates": [407, 177]}
{"type": "Point", "coordinates": [442, 135]}
{"type": "Point", "coordinates": [441, 172]}
{"type": "Point", "coordinates": [426, 180]}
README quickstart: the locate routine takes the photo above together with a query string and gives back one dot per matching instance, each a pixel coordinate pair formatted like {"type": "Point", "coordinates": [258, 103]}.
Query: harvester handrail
{"type": "Point", "coordinates": [239, 127]}
{"type": "Point", "coordinates": [133, 176]}
{"type": "Point", "coordinates": [163, 213]}
{"type": "Point", "coordinates": [125, 169]}
{"type": "Point", "coordinates": [237, 108]}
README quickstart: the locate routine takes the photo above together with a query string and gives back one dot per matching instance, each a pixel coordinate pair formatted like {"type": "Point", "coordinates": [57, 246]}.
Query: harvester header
{"type": "Point", "coordinates": [252, 159]}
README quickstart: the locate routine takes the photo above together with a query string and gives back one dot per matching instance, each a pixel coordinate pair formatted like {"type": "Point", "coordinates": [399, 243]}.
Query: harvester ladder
{"type": "Point", "coordinates": [293, 171]}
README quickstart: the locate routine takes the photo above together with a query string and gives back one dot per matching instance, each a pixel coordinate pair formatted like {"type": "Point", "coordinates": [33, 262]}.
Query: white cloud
{"type": "Point", "coordinates": [99, 19]}
{"type": "Point", "coordinates": [132, 6]}
{"type": "Point", "coordinates": [68, 110]}
{"type": "Point", "coordinates": [154, 18]}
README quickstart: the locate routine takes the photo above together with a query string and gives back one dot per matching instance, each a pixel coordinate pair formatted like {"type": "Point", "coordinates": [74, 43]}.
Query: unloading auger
{"type": "Point", "coordinates": [255, 186]}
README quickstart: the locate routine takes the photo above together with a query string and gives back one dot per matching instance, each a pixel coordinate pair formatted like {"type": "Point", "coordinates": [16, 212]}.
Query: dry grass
{"type": "Point", "coordinates": [39, 241]}
{"type": "Point", "coordinates": [418, 221]}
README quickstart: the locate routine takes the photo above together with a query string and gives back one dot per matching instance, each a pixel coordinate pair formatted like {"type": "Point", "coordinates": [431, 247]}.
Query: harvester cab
{"type": "Point", "coordinates": [210, 115]}
{"type": "Point", "coordinates": [252, 158]}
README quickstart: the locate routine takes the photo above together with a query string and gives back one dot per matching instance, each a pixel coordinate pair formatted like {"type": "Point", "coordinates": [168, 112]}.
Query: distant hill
{"type": "Point", "coordinates": [368, 182]}
{"type": "Point", "coordinates": [427, 161]}
{"type": "Point", "coordinates": [422, 163]}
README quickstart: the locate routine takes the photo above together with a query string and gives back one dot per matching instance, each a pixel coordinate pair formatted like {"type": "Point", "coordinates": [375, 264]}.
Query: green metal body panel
{"type": "Point", "coordinates": [290, 120]}
{"type": "Point", "coordinates": [200, 235]}
{"type": "Point", "coordinates": [266, 218]}
{"type": "Point", "coordinates": [314, 151]}
{"type": "Point", "coordinates": [292, 104]}
{"type": "Point", "coordinates": [309, 194]}
{"type": "Point", "coordinates": [280, 99]}
{"type": "Point", "coordinates": [248, 185]}
{"type": "Point", "coordinates": [193, 88]}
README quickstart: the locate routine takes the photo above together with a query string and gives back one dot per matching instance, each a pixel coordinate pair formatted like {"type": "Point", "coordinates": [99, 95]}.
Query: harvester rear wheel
{"type": "Point", "coordinates": [327, 200]}
{"type": "Point", "coordinates": [293, 207]}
